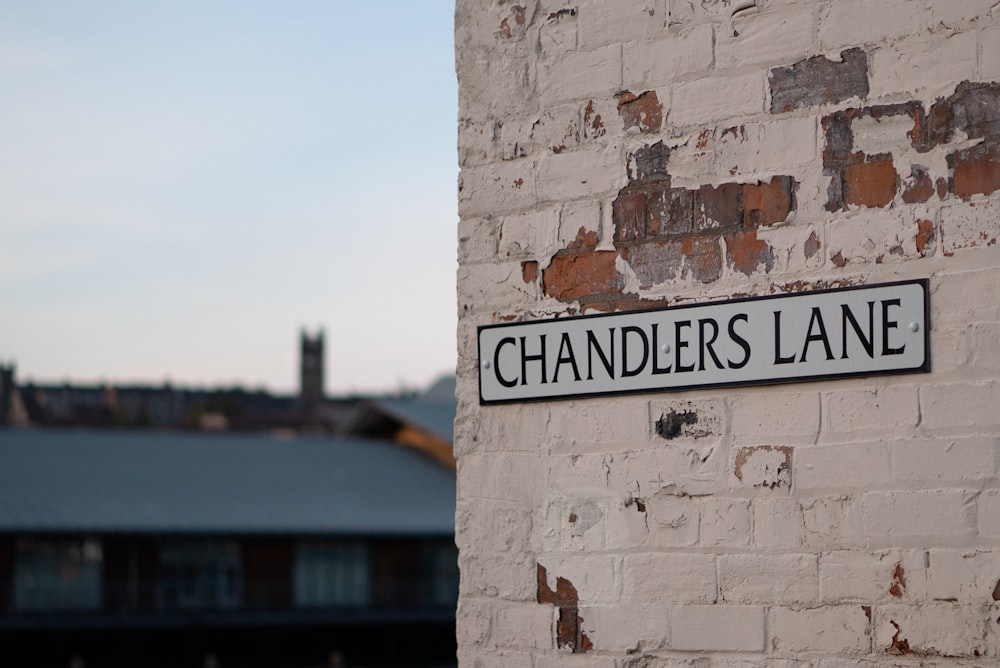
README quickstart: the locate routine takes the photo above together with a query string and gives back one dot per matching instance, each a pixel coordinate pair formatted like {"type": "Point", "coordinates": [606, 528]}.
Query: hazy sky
{"type": "Point", "coordinates": [184, 185]}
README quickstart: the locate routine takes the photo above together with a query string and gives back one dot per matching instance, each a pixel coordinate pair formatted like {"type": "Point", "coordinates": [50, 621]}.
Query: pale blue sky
{"type": "Point", "coordinates": [185, 184]}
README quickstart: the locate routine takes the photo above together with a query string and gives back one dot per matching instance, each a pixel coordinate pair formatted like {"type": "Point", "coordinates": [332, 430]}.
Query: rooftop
{"type": "Point", "coordinates": [104, 481]}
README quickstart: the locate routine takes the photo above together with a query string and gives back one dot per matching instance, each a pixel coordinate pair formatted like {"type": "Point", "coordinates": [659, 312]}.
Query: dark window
{"type": "Point", "coordinates": [203, 574]}
{"type": "Point", "coordinates": [57, 574]}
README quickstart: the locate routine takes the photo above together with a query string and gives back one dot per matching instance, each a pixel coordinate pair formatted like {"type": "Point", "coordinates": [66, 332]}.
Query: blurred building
{"type": "Point", "coordinates": [127, 547]}
{"type": "Point", "coordinates": [214, 409]}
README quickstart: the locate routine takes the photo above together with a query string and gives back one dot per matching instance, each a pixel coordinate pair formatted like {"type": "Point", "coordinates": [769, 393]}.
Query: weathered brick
{"type": "Point", "coordinates": [523, 625]}
{"type": "Point", "coordinates": [670, 578]}
{"type": "Point", "coordinates": [777, 523]}
{"type": "Point", "coordinates": [493, 526]}
{"type": "Point", "coordinates": [762, 418]}
{"type": "Point", "coordinates": [988, 515]}
{"type": "Point", "coordinates": [768, 578]}
{"type": "Point", "coordinates": [965, 407]}
{"type": "Point", "coordinates": [601, 23]}
{"type": "Point", "coordinates": [833, 522]}
{"type": "Point", "coordinates": [857, 575]}
{"type": "Point", "coordinates": [493, 189]}
{"type": "Point", "coordinates": [843, 629]}
{"type": "Point", "coordinates": [625, 627]}
{"type": "Point", "coordinates": [677, 54]}
{"type": "Point", "coordinates": [919, 516]}
{"type": "Point", "coordinates": [872, 184]}
{"type": "Point", "coordinates": [849, 22]}
{"type": "Point", "coordinates": [768, 36]}
{"type": "Point", "coordinates": [528, 235]}
{"type": "Point", "coordinates": [581, 74]}
{"type": "Point", "coordinates": [643, 111]}
{"type": "Point", "coordinates": [889, 409]}
{"type": "Point", "coordinates": [725, 522]}
{"type": "Point", "coordinates": [919, 187]}
{"type": "Point", "coordinates": [497, 575]}
{"type": "Point", "coordinates": [909, 66]}
{"type": "Point", "coordinates": [817, 81]}
{"type": "Point", "coordinates": [747, 253]}
{"type": "Point", "coordinates": [976, 170]}
{"type": "Point", "coordinates": [768, 203]}
{"type": "Point", "coordinates": [716, 98]}
{"type": "Point", "coordinates": [732, 628]}
{"type": "Point", "coordinates": [595, 578]}
{"type": "Point", "coordinates": [943, 460]}
{"type": "Point", "coordinates": [935, 629]}
{"type": "Point", "coordinates": [851, 465]}
{"type": "Point", "coordinates": [675, 520]}
{"type": "Point", "coordinates": [764, 466]}
{"type": "Point", "coordinates": [965, 576]}
{"type": "Point", "coordinates": [572, 275]}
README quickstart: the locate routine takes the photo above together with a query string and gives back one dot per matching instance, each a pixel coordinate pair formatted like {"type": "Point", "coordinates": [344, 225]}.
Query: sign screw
{"type": "Point", "coordinates": [665, 347]}
{"type": "Point", "coordinates": [486, 364]}
{"type": "Point", "coordinates": [914, 326]}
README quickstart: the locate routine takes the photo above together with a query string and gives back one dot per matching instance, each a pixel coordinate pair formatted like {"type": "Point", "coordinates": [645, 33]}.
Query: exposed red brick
{"type": "Point", "coordinates": [572, 518]}
{"type": "Point", "coordinates": [529, 271]}
{"type": "Point", "coordinates": [768, 203]}
{"type": "Point", "coordinates": [899, 645]}
{"type": "Point", "coordinates": [839, 155]}
{"type": "Point", "coordinates": [817, 81]}
{"type": "Point", "coordinates": [517, 29]}
{"type": "Point", "coordinates": [718, 206]}
{"type": "Point", "coordinates": [575, 275]}
{"type": "Point", "coordinates": [871, 184]}
{"type": "Point", "coordinates": [812, 245]}
{"type": "Point", "coordinates": [921, 187]}
{"type": "Point", "coordinates": [838, 259]}
{"type": "Point", "coordinates": [941, 185]}
{"type": "Point", "coordinates": [642, 111]}
{"type": "Point", "coordinates": [654, 262]}
{"type": "Point", "coordinates": [568, 627]}
{"type": "Point", "coordinates": [624, 304]}
{"type": "Point", "coordinates": [926, 237]}
{"type": "Point", "coordinates": [630, 215]}
{"type": "Point", "coordinates": [747, 252]}
{"type": "Point", "coordinates": [584, 239]}
{"type": "Point", "coordinates": [703, 138]}
{"type": "Point", "coordinates": [650, 163]}
{"type": "Point", "coordinates": [868, 612]}
{"type": "Point", "coordinates": [544, 593]}
{"type": "Point", "coordinates": [974, 109]}
{"type": "Point", "coordinates": [996, 592]}
{"type": "Point", "coordinates": [898, 581]}
{"type": "Point", "coordinates": [593, 126]}
{"type": "Point", "coordinates": [505, 30]}
{"type": "Point", "coordinates": [670, 211]}
{"type": "Point", "coordinates": [702, 258]}
{"type": "Point", "coordinates": [976, 170]}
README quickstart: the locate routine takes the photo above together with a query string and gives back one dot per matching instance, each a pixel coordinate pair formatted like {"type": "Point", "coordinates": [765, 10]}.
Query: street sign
{"type": "Point", "coordinates": [843, 332]}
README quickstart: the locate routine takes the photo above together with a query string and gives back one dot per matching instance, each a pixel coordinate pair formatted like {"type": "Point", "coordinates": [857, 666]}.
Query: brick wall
{"type": "Point", "coordinates": [624, 154]}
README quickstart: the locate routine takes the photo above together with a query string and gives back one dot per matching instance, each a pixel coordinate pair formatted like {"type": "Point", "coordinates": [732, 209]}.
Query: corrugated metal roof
{"type": "Point", "coordinates": [148, 482]}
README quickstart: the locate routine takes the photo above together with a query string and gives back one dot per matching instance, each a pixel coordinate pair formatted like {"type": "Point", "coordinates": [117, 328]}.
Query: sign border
{"type": "Point", "coordinates": [924, 367]}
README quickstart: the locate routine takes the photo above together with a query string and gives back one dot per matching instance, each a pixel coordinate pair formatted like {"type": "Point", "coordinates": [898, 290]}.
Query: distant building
{"type": "Point", "coordinates": [173, 407]}
{"type": "Point", "coordinates": [425, 422]}
{"type": "Point", "coordinates": [126, 548]}
{"type": "Point", "coordinates": [311, 366]}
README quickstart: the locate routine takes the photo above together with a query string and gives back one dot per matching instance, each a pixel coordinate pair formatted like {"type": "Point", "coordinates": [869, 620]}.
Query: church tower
{"type": "Point", "coordinates": [311, 375]}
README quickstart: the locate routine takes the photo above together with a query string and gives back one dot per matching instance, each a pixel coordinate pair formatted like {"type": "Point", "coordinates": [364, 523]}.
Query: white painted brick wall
{"type": "Point", "coordinates": [832, 524]}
